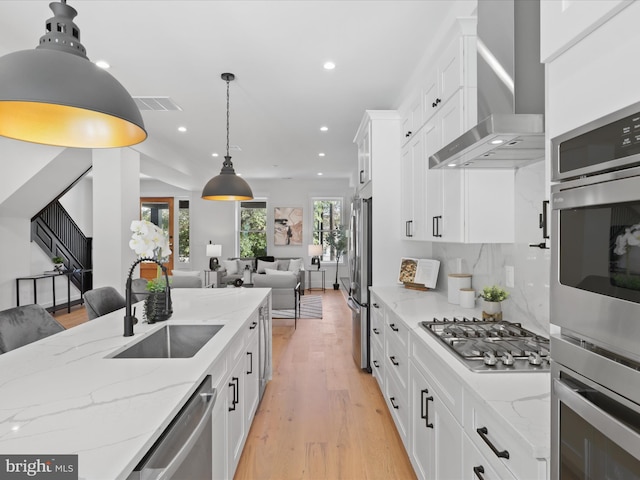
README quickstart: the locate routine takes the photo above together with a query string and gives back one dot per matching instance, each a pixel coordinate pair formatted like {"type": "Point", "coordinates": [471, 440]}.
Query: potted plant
{"type": "Point", "coordinates": [58, 263]}
{"type": "Point", "coordinates": [155, 303]}
{"type": "Point", "coordinates": [492, 297]}
{"type": "Point", "coordinates": [337, 240]}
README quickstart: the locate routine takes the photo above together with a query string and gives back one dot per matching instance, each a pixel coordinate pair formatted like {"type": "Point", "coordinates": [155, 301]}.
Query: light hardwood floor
{"type": "Point", "coordinates": [321, 416]}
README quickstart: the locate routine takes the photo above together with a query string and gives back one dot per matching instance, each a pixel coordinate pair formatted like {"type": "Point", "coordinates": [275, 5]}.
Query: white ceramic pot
{"type": "Point", "coordinates": [491, 308]}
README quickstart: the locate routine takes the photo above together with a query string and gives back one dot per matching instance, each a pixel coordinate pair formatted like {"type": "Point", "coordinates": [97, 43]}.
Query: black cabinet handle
{"type": "Point", "coordinates": [361, 174]}
{"type": "Point", "coordinates": [253, 325]}
{"type": "Point", "coordinates": [435, 226]}
{"type": "Point", "coordinates": [233, 384]}
{"type": "Point", "coordinates": [375, 305]}
{"type": "Point", "coordinates": [250, 363]}
{"type": "Point", "coordinates": [408, 134]}
{"type": "Point", "coordinates": [376, 331]}
{"type": "Point", "coordinates": [435, 104]}
{"type": "Point", "coordinates": [394, 361]}
{"type": "Point", "coordinates": [375, 364]}
{"type": "Point", "coordinates": [393, 327]}
{"type": "Point", "coordinates": [407, 228]}
{"type": "Point", "coordinates": [483, 432]}
{"type": "Point", "coordinates": [424, 407]}
{"type": "Point", "coordinates": [393, 402]}
{"type": "Point", "coordinates": [479, 470]}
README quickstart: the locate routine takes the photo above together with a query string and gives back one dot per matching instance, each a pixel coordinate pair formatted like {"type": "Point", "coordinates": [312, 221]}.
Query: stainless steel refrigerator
{"type": "Point", "coordinates": [360, 279]}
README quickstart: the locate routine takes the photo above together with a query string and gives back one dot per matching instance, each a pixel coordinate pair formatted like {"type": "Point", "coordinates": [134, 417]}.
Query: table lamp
{"type": "Point", "coordinates": [315, 252]}
{"type": "Point", "coordinates": [213, 251]}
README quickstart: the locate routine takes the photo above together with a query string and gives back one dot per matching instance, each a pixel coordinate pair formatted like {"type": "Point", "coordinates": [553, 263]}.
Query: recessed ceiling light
{"type": "Point", "coordinates": [497, 141]}
{"type": "Point", "coordinates": [319, 174]}
{"type": "Point", "coordinates": [182, 129]}
{"type": "Point", "coordinates": [329, 65]}
{"type": "Point", "coordinates": [451, 165]}
{"type": "Point", "coordinates": [321, 154]}
{"type": "Point", "coordinates": [324, 129]}
{"type": "Point", "coordinates": [214, 154]}
{"type": "Point", "coordinates": [102, 64]}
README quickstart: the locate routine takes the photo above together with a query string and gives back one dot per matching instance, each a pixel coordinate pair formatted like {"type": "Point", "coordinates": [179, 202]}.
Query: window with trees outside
{"type": "Point", "coordinates": [327, 217]}
{"type": "Point", "coordinates": [253, 229]}
{"type": "Point", "coordinates": [183, 231]}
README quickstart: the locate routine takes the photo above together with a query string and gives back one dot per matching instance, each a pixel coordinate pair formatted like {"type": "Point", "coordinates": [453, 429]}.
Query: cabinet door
{"type": "Point", "coordinates": [251, 379]}
{"type": "Point", "coordinates": [450, 72]}
{"type": "Point", "coordinates": [413, 206]}
{"type": "Point", "coordinates": [436, 436]}
{"type": "Point", "coordinates": [364, 158]}
{"type": "Point", "coordinates": [235, 414]}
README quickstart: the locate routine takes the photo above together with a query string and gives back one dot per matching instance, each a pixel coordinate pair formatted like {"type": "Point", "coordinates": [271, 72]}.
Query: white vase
{"type": "Point", "coordinates": [491, 308]}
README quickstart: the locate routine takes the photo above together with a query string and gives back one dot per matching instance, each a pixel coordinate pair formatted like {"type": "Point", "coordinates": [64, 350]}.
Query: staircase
{"type": "Point", "coordinates": [57, 234]}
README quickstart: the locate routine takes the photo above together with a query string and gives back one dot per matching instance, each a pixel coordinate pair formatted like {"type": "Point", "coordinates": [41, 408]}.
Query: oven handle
{"type": "Point", "coordinates": [609, 425]}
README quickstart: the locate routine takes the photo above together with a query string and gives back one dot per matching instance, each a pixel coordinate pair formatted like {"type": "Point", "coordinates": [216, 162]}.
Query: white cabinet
{"type": "Point", "coordinates": [235, 413]}
{"type": "Point", "coordinates": [436, 436]}
{"type": "Point", "coordinates": [566, 23]}
{"type": "Point", "coordinates": [412, 120]}
{"type": "Point", "coordinates": [364, 156]}
{"type": "Point", "coordinates": [251, 373]}
{"type": "Point", "coordinates": [413, 202]}
{"type": "Point", "coordinates": [377, 341]}
{"type": "Point", "coordinates": [396, 338]}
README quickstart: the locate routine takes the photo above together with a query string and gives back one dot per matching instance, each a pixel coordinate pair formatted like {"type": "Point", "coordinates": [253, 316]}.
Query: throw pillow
{"type": "Point", "coordinates": [295, 265]}
{"type": "Point", "coordinates": [185, 273]}
{"type": "Point", "coordinates": [272, 271]}
{"type": "Point", "coordinates": [262, 265]}
{"type": "Point", "coordinates": [244, 263]}
{"type": "Point", "coordinates": [283, 264]}
{"type": "Point", "coordinates": [231, 266]}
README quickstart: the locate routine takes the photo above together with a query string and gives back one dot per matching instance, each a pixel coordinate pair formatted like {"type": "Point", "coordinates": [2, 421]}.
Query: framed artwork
{"type": "Point", "coordinates": [287, 226]}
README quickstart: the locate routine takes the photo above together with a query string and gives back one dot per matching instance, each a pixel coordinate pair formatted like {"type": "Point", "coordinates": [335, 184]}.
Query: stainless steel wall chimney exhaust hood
{"type": "Point", "coordinates": [510, 131]}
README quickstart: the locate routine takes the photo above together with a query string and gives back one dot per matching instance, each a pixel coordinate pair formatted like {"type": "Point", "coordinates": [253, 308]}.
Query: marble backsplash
{"type": "Point", "coordinates": [528, 302]}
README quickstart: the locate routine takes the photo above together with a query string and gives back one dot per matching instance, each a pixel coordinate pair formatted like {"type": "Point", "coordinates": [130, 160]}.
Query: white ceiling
{"type": "Point", "coordinates": [281, 96]}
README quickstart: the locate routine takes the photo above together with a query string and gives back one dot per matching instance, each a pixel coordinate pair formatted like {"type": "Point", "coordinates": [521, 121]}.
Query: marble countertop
{"type": "Point", "coordinates": [64, 395]}
{"type": "Point", "coordinates": [522, 400]}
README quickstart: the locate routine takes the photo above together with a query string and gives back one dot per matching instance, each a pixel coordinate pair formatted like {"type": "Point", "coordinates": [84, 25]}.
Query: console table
{"type": "Point", "coordinates": [322, 271]}
{"type": "Point", "coordinates": [52, 275]}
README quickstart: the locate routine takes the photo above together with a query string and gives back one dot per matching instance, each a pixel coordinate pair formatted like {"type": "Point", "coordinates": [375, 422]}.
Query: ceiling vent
{"type": "Point", "coordinates": [156, 104]}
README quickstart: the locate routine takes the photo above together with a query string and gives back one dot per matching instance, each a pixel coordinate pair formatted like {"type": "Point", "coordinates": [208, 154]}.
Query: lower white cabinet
{"type": "Point", "coordinates": [251, 374]}
{"type": "Point", "coordinates": [377, 341]}
{"type": "Point", "coordinates": [436, 436]}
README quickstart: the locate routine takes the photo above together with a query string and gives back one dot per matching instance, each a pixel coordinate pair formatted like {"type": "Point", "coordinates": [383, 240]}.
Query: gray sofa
{"type": "Point", "coordinates": [257, 267]}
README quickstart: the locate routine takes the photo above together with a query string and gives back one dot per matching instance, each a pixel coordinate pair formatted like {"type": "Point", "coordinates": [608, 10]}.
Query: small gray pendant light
{"type": "Point", "coordinates": [227, 185]}
{"type": "Point", "coordinates": [55, 96]}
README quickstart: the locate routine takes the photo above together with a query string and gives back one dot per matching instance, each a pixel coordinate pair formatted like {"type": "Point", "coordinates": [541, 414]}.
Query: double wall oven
{"type": "Point", "coordinates": [595, 300]}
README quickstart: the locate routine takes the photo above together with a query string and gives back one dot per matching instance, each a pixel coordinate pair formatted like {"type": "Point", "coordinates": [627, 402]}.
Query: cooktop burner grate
{"type": "Point", "coordinates": [492, 346]}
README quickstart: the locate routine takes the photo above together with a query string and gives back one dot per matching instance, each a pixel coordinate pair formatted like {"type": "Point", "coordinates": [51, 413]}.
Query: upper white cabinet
{"type": "Point", "coordinates": [413, 203]}
{"type": "Point", "coordinates": [413, 119]}
{"type": "Point", "coordinates": [566, 23]}
{"type": "Point", "coordinates": [378, 148]}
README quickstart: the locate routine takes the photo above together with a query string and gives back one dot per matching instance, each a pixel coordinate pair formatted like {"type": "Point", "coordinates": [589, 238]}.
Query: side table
{"type": "Point", "coordinates": [322, 271]}
{"type": "Point", "coordinates": [212, 278]}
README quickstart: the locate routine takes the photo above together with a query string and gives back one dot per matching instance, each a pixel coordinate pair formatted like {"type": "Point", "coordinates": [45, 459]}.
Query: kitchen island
{"type": "Point", "coordinates": [65, 394]}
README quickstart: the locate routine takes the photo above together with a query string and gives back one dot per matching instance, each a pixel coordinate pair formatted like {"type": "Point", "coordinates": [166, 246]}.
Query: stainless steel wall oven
{"type": "Point", "coordinates": [595, 300]}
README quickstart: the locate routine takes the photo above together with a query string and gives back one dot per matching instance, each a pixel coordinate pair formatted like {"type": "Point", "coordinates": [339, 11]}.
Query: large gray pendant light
{"type": "Point", "coordinates": [55, 96]}
{"type": "Point", "coordinates": [227, 185]}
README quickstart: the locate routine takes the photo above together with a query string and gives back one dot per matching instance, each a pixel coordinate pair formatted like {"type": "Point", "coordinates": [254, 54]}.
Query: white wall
{"type": "Point", "coordinates": [78, 202]}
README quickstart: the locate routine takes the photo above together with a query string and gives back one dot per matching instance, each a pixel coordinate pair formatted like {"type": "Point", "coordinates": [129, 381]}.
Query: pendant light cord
{"type": "Point", "coordinates": [228, 118]}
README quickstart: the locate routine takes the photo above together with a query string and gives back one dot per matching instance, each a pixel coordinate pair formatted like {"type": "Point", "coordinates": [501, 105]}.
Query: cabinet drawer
{"type": "Point", "coordinates": [397, 361]}
{"type": "Point", "coordinates": [397, 329]}
{"type": "Point", "coordinates": [495, 435]}
{"type": "Point", "coordinates": [397, 402]}
{"type": "Point", "coordinates": [377, 319]}
{"type": "Point", "coordinates": [378, 366]}
{"type": "Point", "coordinates": [236, 347]}
{"type": "Point", "coordinates": [450, 389]}
{"type": "Point", "coordinates": [475, 462]}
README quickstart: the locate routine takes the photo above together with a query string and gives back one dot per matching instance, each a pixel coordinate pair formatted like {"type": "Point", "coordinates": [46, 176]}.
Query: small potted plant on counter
{"type": "Point", "coordinates": [337, 240]}
{"type": "Point", "coordinates": [492, 302]}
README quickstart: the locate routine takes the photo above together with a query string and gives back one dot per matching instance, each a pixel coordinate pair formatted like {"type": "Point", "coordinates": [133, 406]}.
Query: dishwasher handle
{"type": "Point", "coordinates": [208, 398]}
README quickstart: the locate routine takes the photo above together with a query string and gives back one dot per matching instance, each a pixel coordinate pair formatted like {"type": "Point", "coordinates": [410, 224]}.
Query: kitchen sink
{"type": "Point", "coordinates": [171, 341]}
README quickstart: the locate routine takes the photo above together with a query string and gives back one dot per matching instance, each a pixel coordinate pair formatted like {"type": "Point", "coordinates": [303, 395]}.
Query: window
{"type": "Point", "coordinates": [253, 229]}
{"type": "Point", "coordinates": [327, 217]}
{"type": "Point", "coordinates": [183, 231]}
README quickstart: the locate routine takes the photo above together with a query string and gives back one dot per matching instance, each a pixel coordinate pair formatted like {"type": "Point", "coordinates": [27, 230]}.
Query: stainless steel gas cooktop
{"type": "Point", "coordinates": [492, 346]}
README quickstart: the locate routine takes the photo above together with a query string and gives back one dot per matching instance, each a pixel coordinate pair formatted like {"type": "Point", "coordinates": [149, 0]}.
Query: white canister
{"type": "Point", "coordinates": [456, 282]}
{"type": "Point", "coordinates": [467, 298]}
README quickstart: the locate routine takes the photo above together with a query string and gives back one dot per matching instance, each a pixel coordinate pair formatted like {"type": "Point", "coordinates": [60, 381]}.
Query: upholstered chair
{"type": "Point", "coordinates": [285, 292]}
{"type": "Point", "coordinates": [20, 326]}
{"type": "Point", "coordinates": [103, 300]}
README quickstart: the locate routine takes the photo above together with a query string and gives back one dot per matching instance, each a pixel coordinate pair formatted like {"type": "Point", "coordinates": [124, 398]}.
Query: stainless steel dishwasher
{"type": "Point", "coordinates": [184, 451]}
